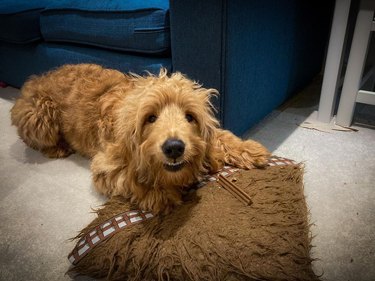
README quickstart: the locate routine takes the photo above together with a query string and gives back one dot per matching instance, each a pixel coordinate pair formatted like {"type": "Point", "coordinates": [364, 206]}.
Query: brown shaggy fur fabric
{"type": "Point", "coordinates": [213, 236]}
{"type": "Point", "coordinates": [148, 137]}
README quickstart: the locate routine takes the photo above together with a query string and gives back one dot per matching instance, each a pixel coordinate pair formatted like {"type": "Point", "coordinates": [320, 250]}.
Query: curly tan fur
{"type": "Point", "coordinates": [122, 121]}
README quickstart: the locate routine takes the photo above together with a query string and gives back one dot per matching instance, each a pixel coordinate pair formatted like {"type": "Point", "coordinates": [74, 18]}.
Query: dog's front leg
{"type": "Point", "coordinates": [245, 154]}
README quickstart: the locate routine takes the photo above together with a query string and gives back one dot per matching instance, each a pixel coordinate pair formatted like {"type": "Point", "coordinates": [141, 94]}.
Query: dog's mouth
{"type": "Point", "coordinates": [174, 167]}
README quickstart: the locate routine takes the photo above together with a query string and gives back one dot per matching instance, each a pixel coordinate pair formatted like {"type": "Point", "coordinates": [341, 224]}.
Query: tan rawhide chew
{"type": "Point", "coordinates": [212, 235]}
{"type": "Point", "coordinates": [235, 190]}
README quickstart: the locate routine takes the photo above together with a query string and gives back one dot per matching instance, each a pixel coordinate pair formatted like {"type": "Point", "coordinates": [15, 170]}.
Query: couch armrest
{"type": "Point", "coordinates": [196, 39]}
{"type": "Point", "coordinates": [256, 53]}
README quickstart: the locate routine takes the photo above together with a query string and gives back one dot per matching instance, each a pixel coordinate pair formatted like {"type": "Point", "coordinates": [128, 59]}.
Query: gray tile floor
{"type": "Point", "coordinates": [44, 202]}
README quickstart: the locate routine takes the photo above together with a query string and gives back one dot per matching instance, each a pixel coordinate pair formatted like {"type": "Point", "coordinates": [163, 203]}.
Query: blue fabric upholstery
{"type": "Point", "coordinates": [19, 20]}
{"type": "Point", "coordinates": [9, 7]}
{"type": "Point", "coordinates": [271, 56]}
{"type": "Point", "coordinates": [136, 26]}
{"type": "Point", "coordinates": [256, 53]}
{"type": "Point", "coordinates": [17, 62]}
{"type": "Point", "coordinates": [108, 6]}
{"type": "Point", "coordinates": [20, 28]}
{"type": "Point", "coordinates": [197, 38]}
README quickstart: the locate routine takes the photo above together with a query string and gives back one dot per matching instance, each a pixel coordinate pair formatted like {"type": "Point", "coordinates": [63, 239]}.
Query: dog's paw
{"type": "Point", "coordinates": [249, 154]}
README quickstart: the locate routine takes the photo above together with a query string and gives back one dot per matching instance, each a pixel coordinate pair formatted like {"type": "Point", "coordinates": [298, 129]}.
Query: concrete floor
{"type": "Point", "coordinates": [44, 202]}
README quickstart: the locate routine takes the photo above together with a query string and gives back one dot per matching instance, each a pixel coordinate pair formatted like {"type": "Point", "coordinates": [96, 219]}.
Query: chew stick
{"type": "Point", "coordinates": [235, 190]}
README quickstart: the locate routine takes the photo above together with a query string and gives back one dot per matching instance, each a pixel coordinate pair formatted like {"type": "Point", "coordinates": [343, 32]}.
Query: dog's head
{"type": "Point", "coordinates": [169, 124]}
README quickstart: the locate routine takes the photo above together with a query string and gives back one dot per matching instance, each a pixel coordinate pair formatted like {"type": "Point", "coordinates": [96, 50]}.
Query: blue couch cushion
{"type": "Point", "coordinates": [19, 20]}
{"type": "Point", "coordinates": [18, 62]}
{"type": "Point", "coordinates": [136, 26]}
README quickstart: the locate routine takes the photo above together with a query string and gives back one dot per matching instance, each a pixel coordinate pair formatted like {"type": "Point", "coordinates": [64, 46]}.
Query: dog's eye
{"type": "Point", "coordinates": [151, 118]}
{"type": "Point", "coordinates": [189, 118]}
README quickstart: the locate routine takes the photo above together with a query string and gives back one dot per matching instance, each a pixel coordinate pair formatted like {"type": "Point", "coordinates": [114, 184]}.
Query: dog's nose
{"type": "Point", "coordinates": [173, 148]}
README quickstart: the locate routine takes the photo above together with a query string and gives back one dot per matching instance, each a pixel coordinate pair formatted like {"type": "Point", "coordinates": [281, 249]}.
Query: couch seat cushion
{"type": "Point", "coordinates": [137, 26]}
{"type": "Point", "coordinates": [19, 20]}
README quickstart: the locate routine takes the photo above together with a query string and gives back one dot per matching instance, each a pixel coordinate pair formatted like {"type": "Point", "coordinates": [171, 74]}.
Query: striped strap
{"type": "Point", "coordinates": [280, 161]}
{"type": "Point", "coordinates": [106, 230]}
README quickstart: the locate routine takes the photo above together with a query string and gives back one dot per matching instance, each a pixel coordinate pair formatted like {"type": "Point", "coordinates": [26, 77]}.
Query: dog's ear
{"type": "Point", "coordinates": [209, 126]}
{"type": "Point", "coordinates": [125, 131]}
{"type": "Point", "coordinates": [136, 133]}
{"type": "Point", "coordinates": [126, 145]}
{"type": "Point", "coordinates": [205, 113]}
{"type": "Point", "coordinates": [214, 157]}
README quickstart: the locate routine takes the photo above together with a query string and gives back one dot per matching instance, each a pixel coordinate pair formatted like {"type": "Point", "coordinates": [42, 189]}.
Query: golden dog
{"type": "Point", "coordinates": [148, 137]}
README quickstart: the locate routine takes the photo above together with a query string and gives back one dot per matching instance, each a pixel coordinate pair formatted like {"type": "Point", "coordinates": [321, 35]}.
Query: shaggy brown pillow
{"type": "Point", "coordinates": [213, 236]}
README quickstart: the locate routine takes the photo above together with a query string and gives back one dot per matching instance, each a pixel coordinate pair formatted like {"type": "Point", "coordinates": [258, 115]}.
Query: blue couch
{"type": "Point", "coordinates": [256, 53]}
